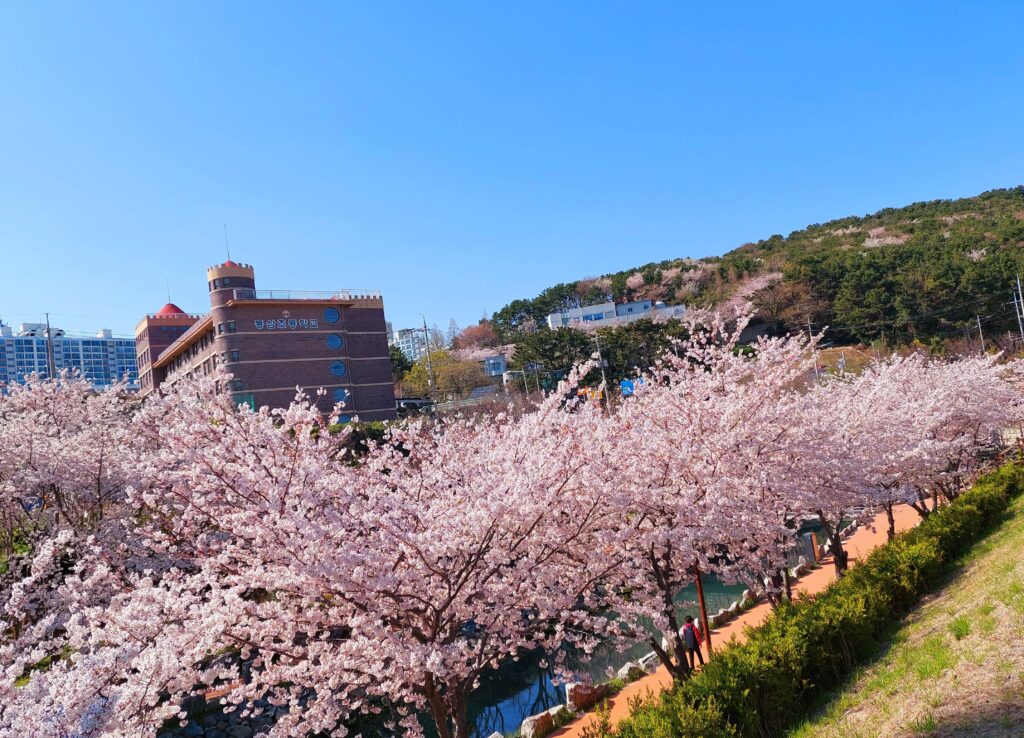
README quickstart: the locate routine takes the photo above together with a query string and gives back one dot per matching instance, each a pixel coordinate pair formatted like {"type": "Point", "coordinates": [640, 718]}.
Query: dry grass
{"type": "Point", "coordinates": [856, 358]}
{"type": "Point", "coordinates": [956, 666]}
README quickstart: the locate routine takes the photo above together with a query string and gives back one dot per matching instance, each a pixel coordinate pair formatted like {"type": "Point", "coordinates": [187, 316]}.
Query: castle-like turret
{"type": "Point", "coordinates": [224, 279]}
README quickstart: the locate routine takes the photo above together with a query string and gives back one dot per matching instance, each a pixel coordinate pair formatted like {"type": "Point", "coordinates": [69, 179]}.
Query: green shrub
{"type": "Point", "coordinates": [705, 720]}
{"type": "Point", "coordinates": [960, 627]}
{"type": "Point", "coordinates": [760, 687]}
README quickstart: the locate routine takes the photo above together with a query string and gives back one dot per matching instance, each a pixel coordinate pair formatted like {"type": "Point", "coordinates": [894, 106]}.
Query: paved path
{"type": "Point", "coordinates": [858, 546]}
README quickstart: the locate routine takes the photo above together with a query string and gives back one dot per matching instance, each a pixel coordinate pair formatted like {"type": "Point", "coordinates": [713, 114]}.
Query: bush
{"type": "Point", "coordinates": [705, 720]}
{"type": "Point", "coordinates": [762, 686]}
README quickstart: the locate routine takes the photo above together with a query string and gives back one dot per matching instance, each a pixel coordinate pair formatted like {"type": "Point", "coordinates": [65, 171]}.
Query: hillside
{"type": "Point", "coordinates": [926, 272]}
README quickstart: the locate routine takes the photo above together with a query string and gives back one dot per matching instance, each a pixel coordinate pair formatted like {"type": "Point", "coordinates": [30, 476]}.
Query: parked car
{"type": "Point", "coordinates": [413, 406]}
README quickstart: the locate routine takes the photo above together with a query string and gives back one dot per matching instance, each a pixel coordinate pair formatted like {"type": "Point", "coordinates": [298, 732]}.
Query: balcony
{"type": "Point", "coordinates": [344, 295]}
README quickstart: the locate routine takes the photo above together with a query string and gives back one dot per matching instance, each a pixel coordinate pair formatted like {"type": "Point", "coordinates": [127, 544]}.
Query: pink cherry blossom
{"type": "Point", "coordinates": [189, 547]}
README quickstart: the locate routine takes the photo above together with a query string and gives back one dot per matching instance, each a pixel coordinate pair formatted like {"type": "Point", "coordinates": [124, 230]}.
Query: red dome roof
{"type": "Point", "coordinates": [171, 309]}
{"type": "Point", "coordinates": [229, 263]}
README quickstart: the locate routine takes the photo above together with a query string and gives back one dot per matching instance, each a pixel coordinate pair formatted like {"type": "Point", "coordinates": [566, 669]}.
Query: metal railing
{"type": "Point", "coordinates": [344, 294]}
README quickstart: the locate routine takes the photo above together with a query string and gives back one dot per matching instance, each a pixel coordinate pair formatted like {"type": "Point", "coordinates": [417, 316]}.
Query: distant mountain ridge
{"type": "Point", "coordinates": [927, 271]}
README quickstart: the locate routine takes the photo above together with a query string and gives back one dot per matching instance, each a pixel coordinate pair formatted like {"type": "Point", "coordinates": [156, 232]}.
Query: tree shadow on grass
{"type": "Point", "coordinates": [1002, 718]}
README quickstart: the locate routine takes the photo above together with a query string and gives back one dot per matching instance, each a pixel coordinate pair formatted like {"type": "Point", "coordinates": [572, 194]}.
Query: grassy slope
{"type": "Point", "coordinates": [956, 665]}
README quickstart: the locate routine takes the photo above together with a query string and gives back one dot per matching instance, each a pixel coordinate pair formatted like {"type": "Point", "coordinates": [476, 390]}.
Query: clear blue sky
{"type": "Point", "coordinates": [457, 156]}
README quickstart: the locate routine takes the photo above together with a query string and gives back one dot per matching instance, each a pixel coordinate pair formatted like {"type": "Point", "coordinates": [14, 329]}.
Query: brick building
{"type": "Point", "coordinates": [273, 342]}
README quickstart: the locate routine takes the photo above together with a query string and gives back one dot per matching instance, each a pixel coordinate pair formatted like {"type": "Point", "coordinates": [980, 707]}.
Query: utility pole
{"type": "Point", "coordinates": [810, 340]}
{"type": "Point", "coordinates": [51, 365]}
{"type": "Point", "coordinates": [526, 382]}
{"type": "Point", "coordinates": [981, 336]}
{"type": "Point", "coordinates": [1018, 308]}
{"type": "Point", "coordinates": [430, 363]}
{"type": "Point", "coordinates": [604, 379]}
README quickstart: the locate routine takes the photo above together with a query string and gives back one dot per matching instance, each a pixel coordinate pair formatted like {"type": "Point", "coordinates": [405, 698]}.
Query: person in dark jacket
{"type": "Point", "coordinates": [692, 639]}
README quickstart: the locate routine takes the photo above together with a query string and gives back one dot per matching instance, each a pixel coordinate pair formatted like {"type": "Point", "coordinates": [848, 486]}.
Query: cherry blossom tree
{"type": "Point", "coordinates": [66, 454]}
{"type": "Point", "coordinates": [903, 431]}
{"type": "Point", "coordinates": [892, 413]}
{"type": "Point", "coordinates": [700, 448]}
{"type": "Point", "coordinates": [286, 576]}
{"type": "Point", "coordinates": [64, 457]}
{"type": "Point", "coordinates": [484, 543]}
{"type": "Point", "coordinates": [840, 438]}
{"type": "Point", "coordinates": [218, 506]}
{"type": "Point", "coordinates": [191, 547]}
{"type": "Point", "coordinates": [972, 402]}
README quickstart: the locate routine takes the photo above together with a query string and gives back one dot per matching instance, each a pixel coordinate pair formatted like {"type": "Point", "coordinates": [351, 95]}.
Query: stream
{"type": "Point", "coordinates": [520, 689]}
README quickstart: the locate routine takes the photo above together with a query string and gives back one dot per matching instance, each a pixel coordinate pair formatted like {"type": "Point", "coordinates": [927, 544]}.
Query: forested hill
{"type": "Point", "coordinates": [926, 271]}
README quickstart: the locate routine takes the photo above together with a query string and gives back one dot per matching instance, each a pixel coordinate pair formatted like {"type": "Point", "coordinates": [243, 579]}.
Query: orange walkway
{"type": "Point", "coordinates": [858, 545]}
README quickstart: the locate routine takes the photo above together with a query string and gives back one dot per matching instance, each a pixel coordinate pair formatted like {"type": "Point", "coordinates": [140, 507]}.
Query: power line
{"type": "Point", "coordinates": [913, 319]}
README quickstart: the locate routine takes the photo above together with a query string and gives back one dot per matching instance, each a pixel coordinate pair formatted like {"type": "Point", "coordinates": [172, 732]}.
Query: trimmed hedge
{"type": "Point", "coordinates": [761, 687]}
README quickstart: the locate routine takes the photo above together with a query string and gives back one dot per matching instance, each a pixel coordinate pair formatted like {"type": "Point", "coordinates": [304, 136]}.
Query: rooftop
{"type": "Point", "coordinates": [171, 309]}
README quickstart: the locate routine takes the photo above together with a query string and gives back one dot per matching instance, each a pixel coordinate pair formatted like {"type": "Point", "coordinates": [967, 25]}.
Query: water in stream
{"type": "Point", "coordinates": [523, 688]}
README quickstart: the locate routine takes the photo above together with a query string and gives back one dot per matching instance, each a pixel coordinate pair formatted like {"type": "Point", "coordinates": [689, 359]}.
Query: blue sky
{"type": "Point", "coordinates": [457, 156]}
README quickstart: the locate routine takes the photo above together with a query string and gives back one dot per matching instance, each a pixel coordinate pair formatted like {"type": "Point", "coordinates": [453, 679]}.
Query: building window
{"type": "Point", "coordinates": [237, 384]}
{"type": "Point", "coordinates": [220, 329]}
{"type": "Point", "coordinates": [331, 315]}
{"type": "Point", "coordinates": [335, 341]}
{"type": "Point", "coordinates": [338, 368]}
{"type": "Point", "coordinates": [342, 395]}
{"type": "Point", "coordinates": [234, 355]}
{"type": "Point", "coordinates": [344, 418]}
{"type": "Point", "coordinates": [231, 326]}
{"type": "Point", "coordinates": [247, 399]}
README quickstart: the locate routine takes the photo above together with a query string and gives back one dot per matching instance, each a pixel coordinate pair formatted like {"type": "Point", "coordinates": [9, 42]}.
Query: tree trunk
{"type": "Point", "coordinates": [438, 711]}
{"type": "Point", "coordinates": [681, 669]}
{"type": "Point", "coordinates": [920, 505]}
{"type": "Point", "coordinates": [774, 583]}
{"type": "Point", "coordinates": [460, 715]}
{"type": "Point", "coordinates": [678, 673]}
{"type": "Point", "coordinates": [788, 582]}
{"type": "Point", "coordinates": [678, 646]}
{"type": "Point", "coordinates": [892, 520]}
{"type": "Point", "coordinates": [840, 559]}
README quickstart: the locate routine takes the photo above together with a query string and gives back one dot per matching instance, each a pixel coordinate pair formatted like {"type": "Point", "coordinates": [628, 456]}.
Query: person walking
{"type": "Point", "coordinates": [692, 639]}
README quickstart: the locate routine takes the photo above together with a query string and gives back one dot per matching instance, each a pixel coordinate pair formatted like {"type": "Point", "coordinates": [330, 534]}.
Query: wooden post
{"type": "Point", "coordinates": [703, 609]}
